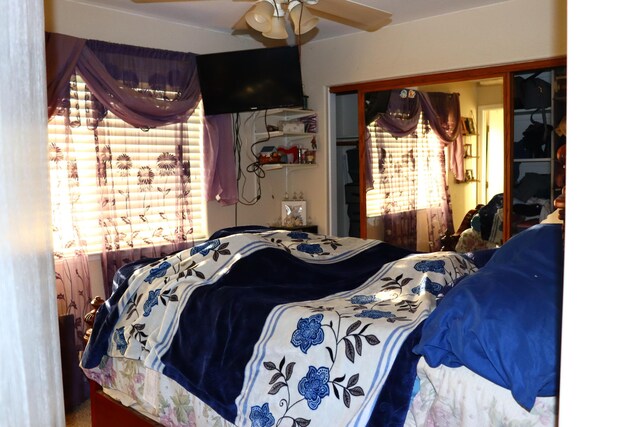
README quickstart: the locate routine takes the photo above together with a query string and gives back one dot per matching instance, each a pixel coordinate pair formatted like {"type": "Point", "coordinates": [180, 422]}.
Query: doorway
{"type": "Point", "coordinates": [491, 141]}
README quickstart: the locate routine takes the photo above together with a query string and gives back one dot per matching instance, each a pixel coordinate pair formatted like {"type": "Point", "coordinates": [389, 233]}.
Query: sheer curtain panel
{"type": "Point", "coordinates": [406, 169]}
{"type": "Point", "coordinates": [124, 161]}
{"type": "Point", "coordinates": [31, 386]}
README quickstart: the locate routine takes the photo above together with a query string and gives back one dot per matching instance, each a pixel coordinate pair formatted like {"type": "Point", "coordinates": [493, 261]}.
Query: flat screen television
{"type": "Point", "coordinates": [248, 80]}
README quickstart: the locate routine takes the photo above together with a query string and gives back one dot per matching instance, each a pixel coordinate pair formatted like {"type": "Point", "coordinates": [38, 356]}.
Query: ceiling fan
{"type": "Point", "coordinates": [268, 16]}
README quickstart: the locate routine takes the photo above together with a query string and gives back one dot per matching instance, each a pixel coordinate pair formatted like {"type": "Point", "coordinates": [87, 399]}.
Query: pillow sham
{"type": "Point", "coordinates": [503, 322]}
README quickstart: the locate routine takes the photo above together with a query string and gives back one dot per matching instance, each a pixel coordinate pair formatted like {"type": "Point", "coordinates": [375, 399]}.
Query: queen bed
{"type": "Point", "coordinates": [262, 327]}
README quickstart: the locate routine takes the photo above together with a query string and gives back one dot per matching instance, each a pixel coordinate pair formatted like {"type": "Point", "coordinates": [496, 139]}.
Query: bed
{"type": "Point", "coordinates": [480, 228]}
{"type": "Point", "coordinates": [263, 327]}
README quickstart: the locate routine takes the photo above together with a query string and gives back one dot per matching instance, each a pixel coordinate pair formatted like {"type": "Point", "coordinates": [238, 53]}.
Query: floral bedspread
{"type": "Point", "coordinates": [330, 357]}
{"type": "Point", "coordinates": [442, 397]}
{"type": "Point", "coordinates": [150, 307]}
{"type": "Point", "coordinates": [304, 361]}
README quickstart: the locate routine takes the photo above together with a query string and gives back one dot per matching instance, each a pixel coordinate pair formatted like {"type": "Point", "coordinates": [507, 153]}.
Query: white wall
{"type": "Point", "coordinates": [600, 373]}
{"type": "Point", "coordinates": [99, 23]}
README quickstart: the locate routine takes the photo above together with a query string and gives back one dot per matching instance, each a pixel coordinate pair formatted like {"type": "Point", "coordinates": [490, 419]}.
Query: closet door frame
{"type": "Point", "coordinates": [505, 71]}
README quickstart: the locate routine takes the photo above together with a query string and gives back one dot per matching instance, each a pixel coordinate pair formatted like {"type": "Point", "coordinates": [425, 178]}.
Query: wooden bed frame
{"type": "Point", "coordinates": [106, 411]}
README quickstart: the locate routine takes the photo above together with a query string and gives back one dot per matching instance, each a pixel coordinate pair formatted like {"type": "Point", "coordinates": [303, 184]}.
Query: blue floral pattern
{"type": "Point", "coordinates": [215, 245]}
{"type": "Point", "coordinates": [121, 342]}
{"type": "Point", "coordinates": [152, 300]}
{"type": "Point", "coordinates": [428, 285]}
{"type": "Point", "coordinates": [314, 386]}
{"type": "Point", "coordinates": [206, 247]}
{"type": "Point", "coordinates": [311, 245]}
{"type": "Point", "coordinates": [158, 271]}
{"type": "Point", "coordinates": [436, 266]}
{"type": "Point", "coordinates": [343, 330]}
{"type": "Point", "coordinates": [376, 314]}
{"type": "Point", "coordinates": [310, 248]}
{"type": "Point", "coordinates": [261, 416]}
{"type": "Point", "coordinates": [392, 296]}
{"type": "Point", "coordinates": [363, 299]}
{"type": "Point", "coordinates": [298, 235]}
{"type": "Point", "coordinates": [309, 332]}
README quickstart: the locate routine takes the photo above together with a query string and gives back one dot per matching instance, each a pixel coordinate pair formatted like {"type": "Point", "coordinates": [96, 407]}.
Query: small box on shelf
{"type": "Point", "coordinates": [292, 127]}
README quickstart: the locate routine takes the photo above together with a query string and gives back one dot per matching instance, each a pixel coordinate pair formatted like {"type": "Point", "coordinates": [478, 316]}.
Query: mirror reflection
{"type": "Point", "coordinates": [433, 159]}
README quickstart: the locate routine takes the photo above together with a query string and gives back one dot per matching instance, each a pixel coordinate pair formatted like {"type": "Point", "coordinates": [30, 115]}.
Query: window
{"type": "Point", "coordinates": [412, 164]}
{"type": "Point", "coordinates": [140, 187]}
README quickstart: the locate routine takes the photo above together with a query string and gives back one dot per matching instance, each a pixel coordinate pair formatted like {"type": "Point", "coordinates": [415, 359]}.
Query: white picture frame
{"type": "Point", "coordinates": [294, 213]}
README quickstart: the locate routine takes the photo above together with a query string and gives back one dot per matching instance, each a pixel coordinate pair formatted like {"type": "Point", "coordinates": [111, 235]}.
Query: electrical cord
{"type": "Point", "coordinates": [241, 180]}
{"type": "Point", "coordinates": [254, 167]}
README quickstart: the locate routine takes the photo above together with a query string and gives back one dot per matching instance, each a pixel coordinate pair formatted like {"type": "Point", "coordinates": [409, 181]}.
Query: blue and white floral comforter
{"type": "Point", "coordinates": [280, 328]}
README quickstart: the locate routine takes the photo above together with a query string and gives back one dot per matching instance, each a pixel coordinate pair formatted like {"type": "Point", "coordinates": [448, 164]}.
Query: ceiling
{"type": "Point", "coordinates": [223, 15]}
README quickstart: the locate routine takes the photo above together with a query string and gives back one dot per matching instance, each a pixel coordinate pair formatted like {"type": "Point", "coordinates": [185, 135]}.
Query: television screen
{"type": "Point", "coordinates": [247, 80]}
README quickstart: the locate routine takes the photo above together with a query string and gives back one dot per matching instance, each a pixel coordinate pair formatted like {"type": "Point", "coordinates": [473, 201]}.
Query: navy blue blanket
{"type": "Point", "coordinates": [229, 315]}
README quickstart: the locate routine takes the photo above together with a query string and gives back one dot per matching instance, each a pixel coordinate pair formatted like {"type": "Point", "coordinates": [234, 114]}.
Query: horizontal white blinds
{"type": "Point", "coordinates": [411, 165]}
{"type": "Point", "coordinates": [144, 205]}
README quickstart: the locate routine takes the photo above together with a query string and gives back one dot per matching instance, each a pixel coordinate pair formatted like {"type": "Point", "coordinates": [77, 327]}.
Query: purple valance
{"type": "Point", "coordinates": [62, 56]}
{"type": "Point", "coordinates": [145, 88]}
{"type": "Point", "coordinates": [440, 112]}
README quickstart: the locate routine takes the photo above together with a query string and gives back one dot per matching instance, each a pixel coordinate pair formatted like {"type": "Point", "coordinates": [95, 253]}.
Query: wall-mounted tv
{"type": "Point", "coordinates": [248, 80]}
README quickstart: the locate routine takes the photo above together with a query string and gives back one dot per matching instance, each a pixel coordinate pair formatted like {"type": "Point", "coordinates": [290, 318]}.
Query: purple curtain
{"type": "Point", "coordinates": [217, 180]}
{"type": "Point", "coordinates": [73, 286]}
{"type": "Point", "coordinates": [143, 87]}
{"type": "Point", "coordinates": [146, 88]}
{"type": "Point", "coordinates": [398, 125]}
{"type": "Point", "coordinates": [440, 111]}
{"type": "Point", "coordinates": [62, 55]}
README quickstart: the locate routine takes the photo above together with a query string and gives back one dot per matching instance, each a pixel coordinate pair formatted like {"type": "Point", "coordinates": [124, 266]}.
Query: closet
{"type": "Point", "coordinates": [347, 165]}
{"type": "Point", "coordinates": [517, 118]}
{"type": "Point", "coordinates": [538, 108]}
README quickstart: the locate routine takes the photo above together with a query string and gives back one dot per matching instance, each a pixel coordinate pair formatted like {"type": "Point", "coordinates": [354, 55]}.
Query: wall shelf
{"type": "Point", "coordinates": [290, 166]}
{"type": "Point", "coordinates": [263, 137]}
{"type": "Point", "coordinates": [290, 113]}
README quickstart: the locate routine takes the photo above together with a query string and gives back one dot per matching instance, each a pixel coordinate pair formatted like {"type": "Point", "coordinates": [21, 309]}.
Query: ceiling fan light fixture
{"type": "Point", "coordinates": [303, 21]}
{"type": "Point", "coordinates": [278, 30]}
{"type": "Point", "coordinates": [260, 16]}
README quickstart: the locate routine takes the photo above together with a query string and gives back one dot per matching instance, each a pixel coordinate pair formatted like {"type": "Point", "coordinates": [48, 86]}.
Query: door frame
{"type": "Point", "coordinates": [504, 71]}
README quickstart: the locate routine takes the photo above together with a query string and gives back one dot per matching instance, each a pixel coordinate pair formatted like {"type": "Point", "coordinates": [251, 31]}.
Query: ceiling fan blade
{"type": "Point", "coordinates": [351, 13]}
{"type": "Point", "coordinates": [163, 1]}
{"type": "Point", "coordinates": [241, 25]}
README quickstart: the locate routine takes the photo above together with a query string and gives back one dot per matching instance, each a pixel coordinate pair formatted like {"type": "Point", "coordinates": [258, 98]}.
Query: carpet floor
{"type": "Point", "coordinates": [80, 416]}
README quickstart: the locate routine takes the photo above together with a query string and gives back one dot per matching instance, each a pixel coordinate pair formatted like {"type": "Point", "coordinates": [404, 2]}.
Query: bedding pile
{"type": "Point", "coordinates": [267, 327]}
{"type": "Point", "coordinates": [503, 322]}
{"type": "Point", "coordinates": [275, 326]}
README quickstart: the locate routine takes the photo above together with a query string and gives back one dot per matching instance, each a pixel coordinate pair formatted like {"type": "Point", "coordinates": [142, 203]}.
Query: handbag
{"type": "Point", "coordinates": [532, 92]}
{"type": "Point", "coordinates": [536, 138]}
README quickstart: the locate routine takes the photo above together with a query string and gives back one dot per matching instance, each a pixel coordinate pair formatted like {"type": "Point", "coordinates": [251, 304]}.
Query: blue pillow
{"type": "Point", "coordinates": [503, 322]}
{"type": "Point", "coordinates": [480, 257]}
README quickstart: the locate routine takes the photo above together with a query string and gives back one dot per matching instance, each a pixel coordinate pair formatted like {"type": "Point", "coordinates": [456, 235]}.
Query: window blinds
{"type": "Point", "coordinates": [402, 181]}
{"type": "Point", "coordinates": [142, 179]}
